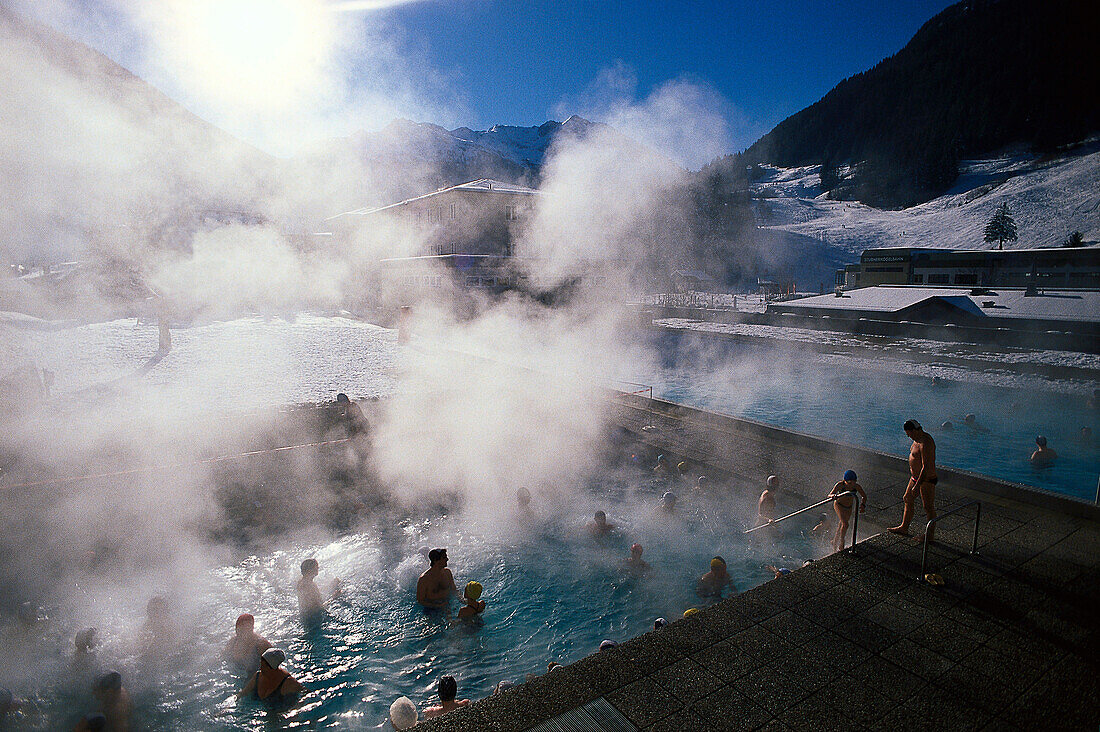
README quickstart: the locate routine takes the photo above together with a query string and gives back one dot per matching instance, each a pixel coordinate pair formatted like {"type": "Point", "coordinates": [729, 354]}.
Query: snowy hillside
{"type": "Point", "coordinates": [1048, 197]}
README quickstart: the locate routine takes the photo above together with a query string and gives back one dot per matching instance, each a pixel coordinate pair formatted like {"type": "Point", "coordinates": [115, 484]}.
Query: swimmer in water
{"type": "Point", "coordinates": [351, 415]}
{"type": "Point", "coordinates": [159, 629]}
{"type": "Point", "coordinates": [84, 666]}
{"type": "Point", "coordinates": [635, 563]}
{"type": "Point", "coordinates": [823, 531]}
{"type": "Point", "coordinates": [473, 604]}
{"type": "Point", "coordinates": [701, 484]}
{"type": "Point", "coordinates": [523, 500]}
{"type": "Point", "coordinates": [922, 478]}
{"type": "Point", "coordinates": [599, 526]}
{"type": "Point", "coordinates": [114, 700]}
{"type": "Point", "coordinates": [715, 581]}
{"type": "Point", "coordinates": [668, 503]}
{"type": "Point", "coordinates": [1043, 457]}
{"type": "Point", "coordinates": [311, 604]}
{"type": "Point", "coordinates": [682, 470]}
{"type": "Point", "coordinates": [435, 586]}
{"type": "Point", "coordinates": [245, 648]}
{"type": "Point", "coordinates": [972, 422]}
{"type": "Point", "coordinates": [947, 426]}
{"type": "Point", "coordinates": [448, 690]}
{"type": "Point", "coordinates": [765, 508]}
{"type": "Point", "coordinates": [843, 505]}
{"type": "Point", "coordinates": [778, 571]}
{"type": "Point", "coordinates": [662, 470]}
{"type": "Point", "coordinates": [1085, 435]}
{"type": "Point", "coordinates": [271, 683]}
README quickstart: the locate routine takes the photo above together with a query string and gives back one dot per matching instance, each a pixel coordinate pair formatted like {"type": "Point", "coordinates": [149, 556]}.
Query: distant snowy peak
{"type": "Point", "coordinates": [523, 148]}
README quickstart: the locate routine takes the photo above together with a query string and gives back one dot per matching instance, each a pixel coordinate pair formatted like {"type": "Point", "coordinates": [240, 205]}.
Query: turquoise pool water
{"type": "Point", "coordinates": [850, 401]}
{"type": "Point", "coordinates": [553, 594]}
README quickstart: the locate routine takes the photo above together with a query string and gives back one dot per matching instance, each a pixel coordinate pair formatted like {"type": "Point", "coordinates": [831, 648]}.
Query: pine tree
{"type": "Point", "coordinates": [1001, 227]}
{"type": "Point", "coordinates": [1076, 239]}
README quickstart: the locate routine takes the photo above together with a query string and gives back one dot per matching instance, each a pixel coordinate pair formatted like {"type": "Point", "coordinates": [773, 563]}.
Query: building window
{"type": "Point", "coordinates": [918, 279]}
{"type": "Point", "coordinates": [966, 279]}
{"type": "Point", "coordinates": [510, 213]}
{"type": "Point", "coordinates": [939, 279]}
{"type": "Point", "coordinates": [471, 282]}
{"type": "Point", "coordinates": [452, 212]}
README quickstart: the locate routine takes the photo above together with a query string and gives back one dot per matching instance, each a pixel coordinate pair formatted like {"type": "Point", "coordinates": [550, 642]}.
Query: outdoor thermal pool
{"type": "Point", "coordinates": [554, 593]}
{"type": "Point", "coordinates": [855, 401]}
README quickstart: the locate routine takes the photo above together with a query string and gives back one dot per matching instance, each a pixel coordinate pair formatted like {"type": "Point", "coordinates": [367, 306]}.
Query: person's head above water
{"type": "Point", "coordinates": [438, 555]}
{"type": "Point", "coordinates": [245, 622]}
{"type": "Point", "coordinates": [310, 568]}
{"type": "Point", "coordinates": [668, 500]}
{"type": "Point", "coordinates": [660, 459]}
{"type": "Point", "coordinates": [718, 564]}
{"type": "Point", "coordinates": [947, 426]}
{"type": "Point", "coordinates": [523, 497]}
{"type": "Point", "coordinates": [659, 623]}
{"type": "Point", "coordinates": [86, 639]}
{"type": "Point", "coordinates": [773, 482]}
{"type": "Point", "coordinates": [969, 419]}
{"type": "Point", "coordinates": [473, 590]}
{"type": "Point", "coordinates": [636, 550]}
{"type": "Point", "coordinates": [110, 681]}
{"type": "Point", "coordinates": [600, 518]}
{"type": "Point", "coordinates": [342, 398]}
{"type": "Point", "coordinates": [682, 466]}
{"type": "Point", "coordinates": [448, 688]}
{"type": "Point", "coordinates": [1041, 441]}
{"type": "Point", "coordinates": [403, 714]}
{"type": "Point", "coordinates": [273, 657]}
{"type": "Point", "coordinates": [849, 475]}
{"type": "Point", "coordinates": [912, 426]}
{"type": "Point", "coordinates": [607, 644]}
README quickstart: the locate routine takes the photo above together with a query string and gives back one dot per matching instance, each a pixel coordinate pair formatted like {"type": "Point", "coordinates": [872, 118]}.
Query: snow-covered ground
{"type": "Point", "coordinates": [1049, 198]}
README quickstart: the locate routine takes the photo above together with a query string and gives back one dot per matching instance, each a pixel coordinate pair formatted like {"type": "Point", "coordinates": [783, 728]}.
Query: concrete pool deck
{"type": "Point", "coordinates": [853, 641]}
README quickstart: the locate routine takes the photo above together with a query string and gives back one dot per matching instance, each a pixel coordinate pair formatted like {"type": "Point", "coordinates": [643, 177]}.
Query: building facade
{"type": "Point", "coordinates": [1059, 267]}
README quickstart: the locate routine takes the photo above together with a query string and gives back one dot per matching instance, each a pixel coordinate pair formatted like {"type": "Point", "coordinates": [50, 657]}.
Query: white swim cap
{"type": "Point", "coordinates": [274, 657]}
{"type": "Point", "coordinates": [403, 713]}
{"type": "Point", "coordinates": [773, 480]}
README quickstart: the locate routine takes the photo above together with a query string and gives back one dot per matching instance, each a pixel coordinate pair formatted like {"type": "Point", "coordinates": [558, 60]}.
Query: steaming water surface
{"type": "Point", "coordinates": [241, 363]}
{"type": "Point", "coordinates": [553, 593]}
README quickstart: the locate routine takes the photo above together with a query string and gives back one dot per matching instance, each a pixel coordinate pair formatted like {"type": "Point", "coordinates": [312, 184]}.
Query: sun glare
{"type": "Point", "coordinates": [266, 54]}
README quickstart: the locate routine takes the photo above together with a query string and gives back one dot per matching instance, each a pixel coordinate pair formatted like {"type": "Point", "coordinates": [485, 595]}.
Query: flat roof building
{"type": "Point", "coordinates": [1063, 267]}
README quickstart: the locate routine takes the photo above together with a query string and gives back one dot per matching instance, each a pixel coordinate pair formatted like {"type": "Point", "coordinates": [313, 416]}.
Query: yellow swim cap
{"type": "Point", "coordinates": [717, 564]}
{"type": "Point", "coordinates": [473, 590]}
{"type": "Point", "coordinates": [690, 611]}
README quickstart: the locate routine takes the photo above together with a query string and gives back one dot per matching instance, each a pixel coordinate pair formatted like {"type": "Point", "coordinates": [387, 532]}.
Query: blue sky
{"type": "Point", "coordinates": [477, 63]}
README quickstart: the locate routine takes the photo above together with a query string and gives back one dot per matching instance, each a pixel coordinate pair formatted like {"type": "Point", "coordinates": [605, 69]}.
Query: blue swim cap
{"type": "Point", "coordinates": [783, 570]}
{"type": "Point", "coordinates": [849, 475]}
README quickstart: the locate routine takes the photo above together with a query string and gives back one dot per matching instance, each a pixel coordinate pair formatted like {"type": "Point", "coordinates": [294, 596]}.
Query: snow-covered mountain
{"type": "Point", "coordinates": [407, 158]}
{"type": "Point", "coordinates": [1049, 197]}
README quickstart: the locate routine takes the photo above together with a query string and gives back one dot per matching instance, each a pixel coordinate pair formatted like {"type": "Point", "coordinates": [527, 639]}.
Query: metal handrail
{"type": "Point", "coordinates": [830, 499]}
{"type": "Point", "coordinates": [973, 547]}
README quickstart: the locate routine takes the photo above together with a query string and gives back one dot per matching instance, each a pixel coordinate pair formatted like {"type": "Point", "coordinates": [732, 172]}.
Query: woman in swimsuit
{"type": "Point", "coordinates": [843, 505]}
{"type": "Point", "coordinates": [271, 683]}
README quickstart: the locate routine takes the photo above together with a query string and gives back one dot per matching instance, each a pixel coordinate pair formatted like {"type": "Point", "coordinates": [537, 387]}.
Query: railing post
{"type": "Point", "coordinates": [977, 521]}
{"type": "Point", "coordinates": [855, 522]}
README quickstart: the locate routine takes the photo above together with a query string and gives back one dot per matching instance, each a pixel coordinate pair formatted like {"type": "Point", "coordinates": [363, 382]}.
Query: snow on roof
{"type": "Point", "coordinates": [1077, 305]}
{"type": "Point", "coordinates": [483, 185]}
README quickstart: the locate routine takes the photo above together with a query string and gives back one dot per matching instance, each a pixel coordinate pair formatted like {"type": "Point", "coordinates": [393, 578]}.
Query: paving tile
{"type": "Point", "coordinates": [771, 689]}
{"type": "Point", "coordinates": [823, 610]}
{"type": "Point", "coordinates": [792, 628]}
{"type": "Point", "coordinates": [644, 703]}
{"type": "Point", "coordinates": [517, 710]}
{"type": "Point", "coordinates": [814, 713]}
{"type": "Point", "coordinates": [725, 661]}
{"type": "Point", "coordinates": [857, 700]}
{"type": "Point", "coordinates": [951, 640]}
{"type": "Point", "coordinates": [838, 652]}
{"type": "Point", "coordinates": [886, 677]}
{"type": "Point", "coordinates": [687, 680]}
{"type": "Point", "coordinates": [978, 689]}
{"type": "Point", "coordinates": [685, 720]}
{"type": "Point", "coordinates": [1026, 648]}
{"type": "Point", "coordinates": [561, 690]}
{"type": "Point", "coordinates": [933, 709]}
{"type": "Point", "coordinates": [901, 619]}
{"type": "Point", "coordinates": [867, 634]}
{"type": "Point", "coordinates": [917, 659]}
{"type": "Point", "coordinates": [729, 709]}
{"type": "Point", "coordinates": [760, 643]}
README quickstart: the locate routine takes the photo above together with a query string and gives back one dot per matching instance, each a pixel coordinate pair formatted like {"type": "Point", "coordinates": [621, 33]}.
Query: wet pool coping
{"type": "Point", "coordinates": [855, 641]}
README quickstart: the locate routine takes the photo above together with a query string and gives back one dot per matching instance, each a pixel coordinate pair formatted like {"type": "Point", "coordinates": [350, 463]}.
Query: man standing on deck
{"type": "Point", "coordinates": [922, 480]}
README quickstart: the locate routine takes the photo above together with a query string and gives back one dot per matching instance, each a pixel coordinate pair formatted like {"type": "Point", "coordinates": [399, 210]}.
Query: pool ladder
{"type": "Point", "coordinates": [830, 499]}
{"type": "Point", "coordinates": [973, 546]}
